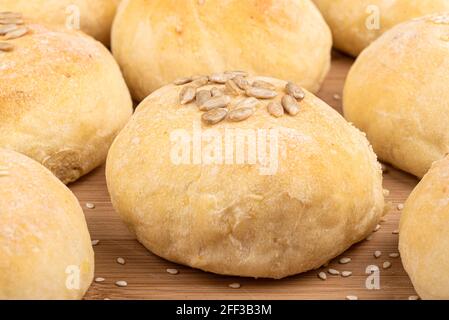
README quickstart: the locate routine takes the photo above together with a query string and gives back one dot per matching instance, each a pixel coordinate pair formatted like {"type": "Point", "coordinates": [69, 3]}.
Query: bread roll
{"type": "Point", "coordinates": [62, 100]}
{"type": "Point", "coordinates": [156, 42]}
{"type": "Point", "coordinates": [94, 17]}
{"type": "Point", "coordinates": [424, 233]}
{"type": "Point", "coordinates": [398, 93]}
{"type": "Point", "coordinates": [254, 195]}
{"type": "Point", "coordinates": [45, 247]}
{"type": "Point", "coordinates": [355, 24]}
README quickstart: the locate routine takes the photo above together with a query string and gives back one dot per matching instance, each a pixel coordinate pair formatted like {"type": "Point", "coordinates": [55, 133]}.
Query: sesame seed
{"type": "Point", "coordinates": [377, 228]}
{"type": "Point", "coordinates": [95, 242]}
{"type": "Point", "coordinates": [386, 192]}
{"type": "Point", "coordinates": [121, 283]}
{"type": "Point", "coordinates": [413, 298]}
{"type": "Point", "coordinates": [172, 271]}
{"type": "Point", "coordinates": [333, 272]}
{"type": "Point", "coordinates": [344, 260]}
{"type": "Point", "coordinates": [394, 255]}
{"type": "Point", "coordinates": [386, 265]}
{"type": "Point", "coordinates": [395, 232]}
{"type": "Point", "coordinates": [90, 205]}
{"type": "Point", "coordinates": [235, 286]}
{"type": "Point", "coordinates": [99, 279]}
{"type": "Point", "coordinates": [377, 254]}
{"type": "Point", "coordinates": [400, 206]}
{"type": "Point", "coordinates": [346, 274]}
{"type": "Point", "coordinates": [322, 276]}
{"type": "Point", "coordinates": [337, 96]}
{"type": "Point", "coordinates": [121, 261]}
{"type": "Point", "coordinates": [352, 298]}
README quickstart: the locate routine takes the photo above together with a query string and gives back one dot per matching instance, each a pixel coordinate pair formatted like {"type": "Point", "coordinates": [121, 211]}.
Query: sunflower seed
{"type": "Point", "coordinates": [240, 114]}
{"type": "Point", "coordinates": [295, 91]}
{"type": "Point", "coordinates": [264, 84]}
{"type": "Point", "coordinates": [386, 265]}
{"type": "Point", "coordinates": [187, 94]}
{"type": "Point", "coordinates": [413, 298]}
{"type": "Point", "coordinates": [121, 261]}
{"type": "Point", "coordinates": [352, 298]}
{"type": "Point", "coordinates": [95, 242]}
{"type": "Point", "coordinates": [322, 276]}
{"type": "Point", "coordinates": [344, 260]}
{"type": "Point", "coordinates": [220, 78]}
{"type": "Point", "coordinates": [173, 271]}
{"type": "Point", "coordinates": [248, 103]}
{"type": "Point", "coordinates": [99, 279]}
{"type": "Point", "coordinates": [290, 105]}
{"type": "Point", "coordinates": [20, 32]}
{"type": "Point", "coordinates": [261, 93]}
{"type": "Point", "coordinates": [241, 82]}
{"type": "Point", "coordinates": [333, 272]}
{"type": "Point", "coordinates": [5, 46]}
{"type": "Point", "coordinates": [11, 20]}
{"type": "Point", "coordinates": [10, 14]}
{"type": "Point", "coordinates": [215, 103]}
{"type": "Point", "coordinates": [235, 286]}
{"type": "Point", "coordinates": [90, 205]}
{"type": "Point", "coordinates": [394, 255]}
{"type": "Point", "coordinates": [346, 274]}
{"type": "Point", "coordinates": [121, 283]}
{"type": "Point", "coordinates": [377, 254]}
{"type": "Point", "coordinates": [202, 96]}
{"type": "Point", "coordinates": [216, 92]}
{"type": "Point", "coordinates": [4, 29]}
{"type": "Point", "coordinates": [214, 116]}
{"type": "Point", "coordinates": [181, 81]}
{"type": "Point", "coordinates": [232, 88]}
{"type": "Point", "coordinates": [275, 109]}
{"type": "Point", "coordinates": [237, 73]}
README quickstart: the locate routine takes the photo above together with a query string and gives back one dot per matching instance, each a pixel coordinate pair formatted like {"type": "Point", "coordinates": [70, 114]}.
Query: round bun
{"type": "Point", "coordinates": [156, 42]}
{"type": "Point", "coordinates": [94, 16]}
{"type": "Point", "coordinates": [264, 197]}
{"type": "Point", "coordinates": [355, 24]}
{"type": "Point", "coordinates": [397, 92]}
{"type": "Point", "coordinates": [62, 100]}
{"type": "Point", "coordinates": [424, 233]}
{"type": "Point", "coordinates": [45, 247]}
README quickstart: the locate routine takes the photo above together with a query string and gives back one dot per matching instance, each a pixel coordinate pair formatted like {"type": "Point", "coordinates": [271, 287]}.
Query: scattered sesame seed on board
{"type": "Point", "coordinates": [235, 285]}
{"type": "Point", "coordinates": [386, 265]}
{"type": "Point", "coordinates": [395, 232]}
{"type": "Point", "coordinates": [377, 254]}
{"type": "Point", "coordinates": [333, 272]}
{"type": "Point", "coordinates": [322, 276]}
{"type": "Point", "coordinates": [336, 96]}
{"type": "Point", "coordinates": [121, 261]}
{"type": "Point", "coordinates": [121, 283]}
{"type": "Point", "coordinates": [172, 271]}
{"type": "Point", "coordinates": [394, 255]}
{"type": "Point", "coordinates": [352, 298]}
{"type": "Point", "coordinates": [346, 274]}
{"type": "Point", "coordinates": [413, 298]}
{"type": "Point", "coordinates": [344, 260]}
{"type": "Point", "coordinates": [95, 242]}
{"type": "Point", "coordinates": [377, 228]}
{"type": "Point", "coordinates": [401, 206]}
{"type": "Point", "coordinates": [90, 205]}
{"type": "Point", "coordinates": [99, 279]}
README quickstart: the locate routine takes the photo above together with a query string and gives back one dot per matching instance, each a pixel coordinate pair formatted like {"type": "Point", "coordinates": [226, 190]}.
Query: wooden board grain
{"type": "Point", "coordinates": [146, 273]}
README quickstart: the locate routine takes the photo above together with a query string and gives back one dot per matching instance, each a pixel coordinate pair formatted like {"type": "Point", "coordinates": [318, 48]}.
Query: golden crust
{"type": "Point", "coordinates": [352, 24]}
{"type": "Point", "coordinates": [156, 42]}
{"type": "Point", "coordinates": [62, 100]}
{"type": "Point", "coordinates": [397, 92]}
{"type": "Point", "coordinates": [229, 218]}
{"type": "Point", "coordinates": [424, 233]}
{"type": "Point", "coordinates": [96, 16]}
{"type": "Point", "coordinates": [43, 234]}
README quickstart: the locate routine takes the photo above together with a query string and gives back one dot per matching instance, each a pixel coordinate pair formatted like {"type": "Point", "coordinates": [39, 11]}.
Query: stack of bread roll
{"type": "Point", "coordinates": [307, 184]}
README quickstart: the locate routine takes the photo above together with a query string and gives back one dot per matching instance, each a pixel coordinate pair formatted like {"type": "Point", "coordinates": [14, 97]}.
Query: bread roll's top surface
{"type": "Point", "coordinates": [43, 234]}
{"type": "Point", "coordinates": [158, 41]}
{"type": "Point", "coordinates": [356, 24]}
{"type": "Point", "coordinates": [304, 188]}
{"type": "Point", "coordinates": [397, 92]}
{"type": "Point", "coordinates": [94, 17]}
{"type": "Point", "coordinates": [62, 98]}
{"type": "Point", "coordinates": [424, 233]}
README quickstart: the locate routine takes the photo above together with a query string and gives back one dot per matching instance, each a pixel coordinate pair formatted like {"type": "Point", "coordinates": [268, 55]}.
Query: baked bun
{"type": "Point", "coordinates": [424, 233]}
{"type": "Point", "coordinates": [355, 24]}
{"type": "Point", "coordinates": [45, 247]}
{"type": "Point", "coordinates": [398, 93]}
{"type": "Point", "coordinates": [156, 42]}
{"type": "Point", "coordinates": [93, 16]}
{"type": "Point", "coordinates": [62, 99]}
{"type": "Point", "coordinates": [245, 190]}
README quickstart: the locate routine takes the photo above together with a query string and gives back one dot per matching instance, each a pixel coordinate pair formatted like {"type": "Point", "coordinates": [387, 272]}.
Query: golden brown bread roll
{"type": "Point", "coordinates": [62, 99]}
{"type": "Point", "coordinates": [45, 247]}
{"type": "Point", "coordinates": [254, 189]}
{"type": "Point", "coordinates": [94, 16]}
{"type": "Point", "coordinates": [424, 233]}
{"type": "Point", "coordinates": [355, 24]}
{"type": "Point", "coordinates": [398, 92]}
{"type": "Point", "coordinates": [156, 42]}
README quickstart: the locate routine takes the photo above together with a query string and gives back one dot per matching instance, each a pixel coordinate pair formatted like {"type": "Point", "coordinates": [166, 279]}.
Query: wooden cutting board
{"type": "Point", "coordinates": [148, 279]}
